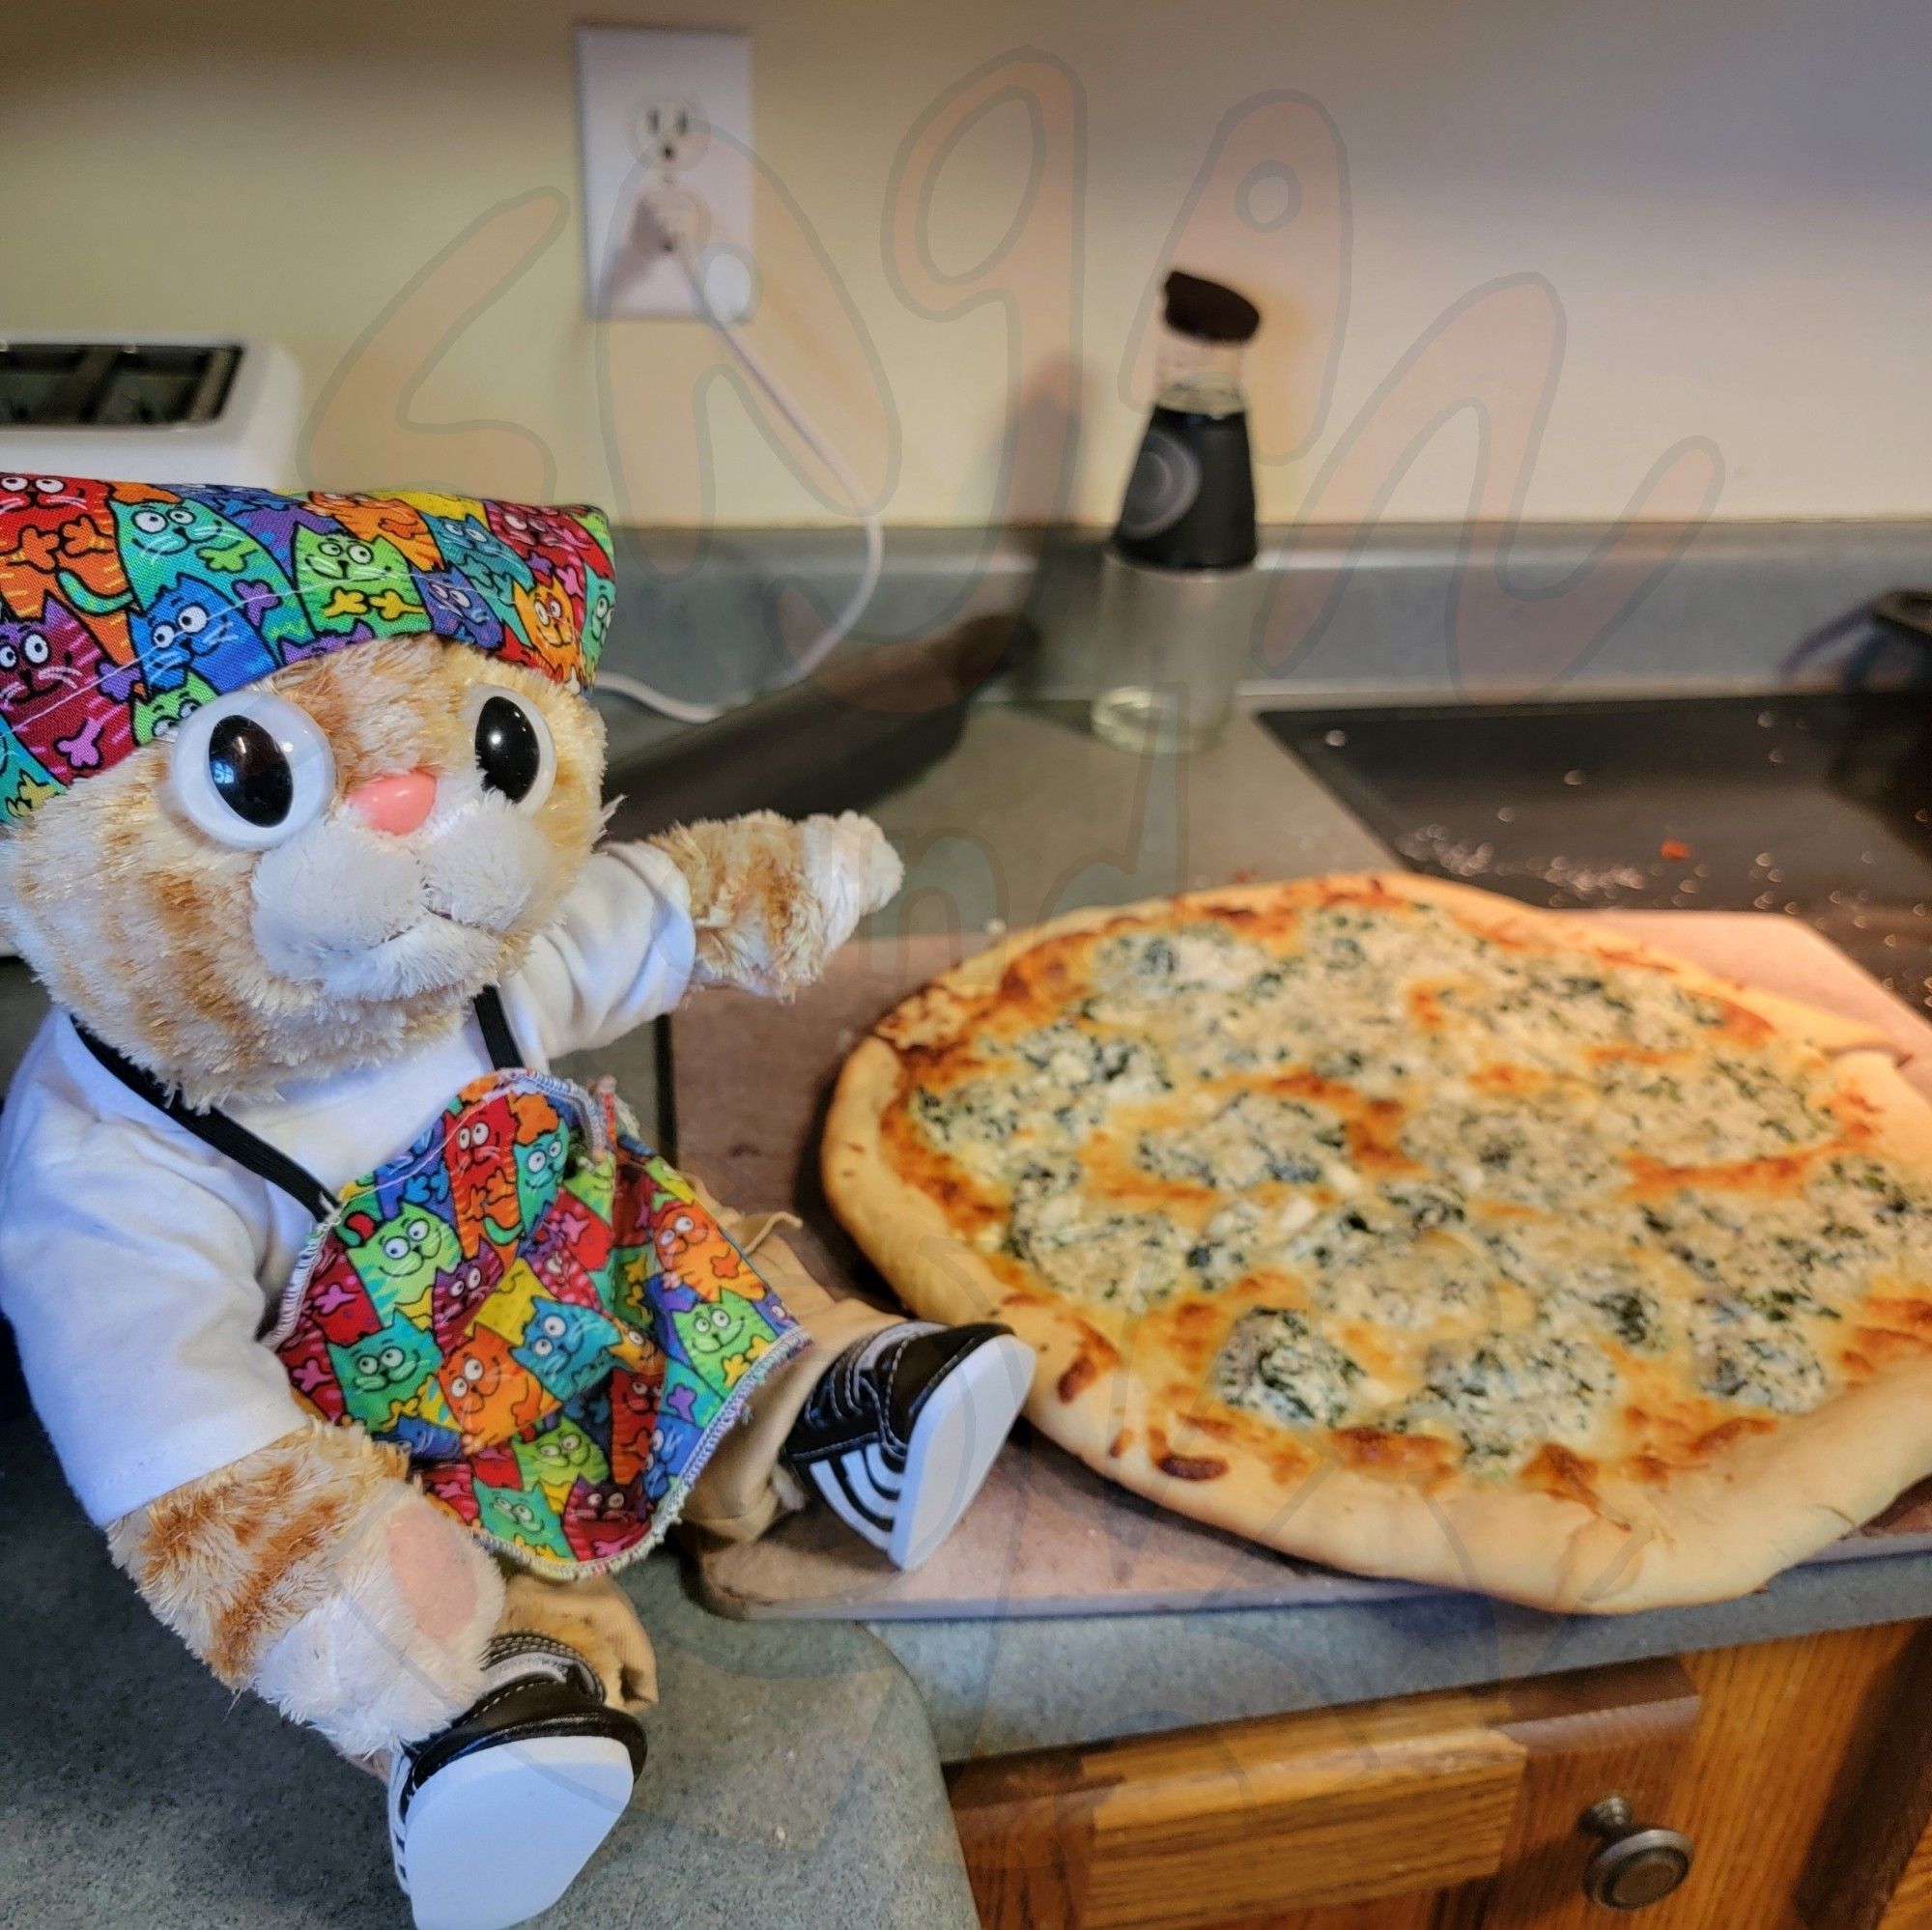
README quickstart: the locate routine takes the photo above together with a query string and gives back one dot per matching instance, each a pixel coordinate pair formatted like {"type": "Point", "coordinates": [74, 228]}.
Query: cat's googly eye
{"type": "Point", "coordinates": [35, 647]}
{"type": "Point", "coordinates": [164, 635]}
{"type": "Point", "coordinates": [251, 770]}
{"type": "Point", "coordinates": [193, 619]}
{"type": "Point", "coordinates": [360, 552]}
{"type": "Point", "coordinates": [181, 514]}
{"type": "Point", "coordinates": [48, 485]}
{"type": "Point", "coordinates": [148, 520]}
{"type": "Point", "coordinates": [13, 485]}
{"type": "Point", "coordinates": [512, 745]}
{"type": "Point", "coordinates": [10, 658]}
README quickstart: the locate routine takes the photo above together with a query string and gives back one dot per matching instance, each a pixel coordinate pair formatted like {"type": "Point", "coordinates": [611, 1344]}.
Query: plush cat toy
{"type": "Point", "coordinates": [375, 1345]}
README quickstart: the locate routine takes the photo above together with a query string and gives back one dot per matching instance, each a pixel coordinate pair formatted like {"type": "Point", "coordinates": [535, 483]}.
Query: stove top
{"type": "Point", "coordinates": [1818, 805]}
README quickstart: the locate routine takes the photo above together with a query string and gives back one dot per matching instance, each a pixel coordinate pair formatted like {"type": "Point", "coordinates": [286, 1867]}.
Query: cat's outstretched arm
{"type": "Point", "coordinates": [313, 1574]}
{"type": "Point", "coordinates": [772, 899]}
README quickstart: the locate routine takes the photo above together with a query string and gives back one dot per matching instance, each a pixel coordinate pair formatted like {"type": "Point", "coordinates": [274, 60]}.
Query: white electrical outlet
{"type": "Point", "coordinates": [665, 124]}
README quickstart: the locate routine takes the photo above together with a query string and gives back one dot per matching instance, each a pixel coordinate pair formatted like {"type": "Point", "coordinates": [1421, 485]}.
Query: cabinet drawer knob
{"type": "Point", "coordinates": [1636, 1864]}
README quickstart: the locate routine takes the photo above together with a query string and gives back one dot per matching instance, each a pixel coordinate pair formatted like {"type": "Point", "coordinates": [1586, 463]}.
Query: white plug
{"type": "Point", "coordinates": [665, 120]}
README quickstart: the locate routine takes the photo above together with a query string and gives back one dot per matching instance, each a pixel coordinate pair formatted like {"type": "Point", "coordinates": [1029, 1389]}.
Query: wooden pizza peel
{"type": "Point", "coordinates": [750, 1080]}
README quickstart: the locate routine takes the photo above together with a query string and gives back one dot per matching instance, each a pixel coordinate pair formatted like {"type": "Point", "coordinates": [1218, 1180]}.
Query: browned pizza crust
{"type": "Point", "coordinates": [1737, 1504]}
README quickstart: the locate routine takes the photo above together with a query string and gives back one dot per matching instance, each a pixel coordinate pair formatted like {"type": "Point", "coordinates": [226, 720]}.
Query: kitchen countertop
{"type": "Point", "coordinates": [134, 1786]}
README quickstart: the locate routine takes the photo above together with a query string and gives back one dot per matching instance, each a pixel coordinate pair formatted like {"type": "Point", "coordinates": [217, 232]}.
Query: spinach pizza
{"type": "Point", "coordinates": [1405, 1228]}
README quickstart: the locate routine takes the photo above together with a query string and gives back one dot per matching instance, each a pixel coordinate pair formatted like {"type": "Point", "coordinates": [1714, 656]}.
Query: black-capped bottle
{"type": "Point", "coordinates": [1179, 593]}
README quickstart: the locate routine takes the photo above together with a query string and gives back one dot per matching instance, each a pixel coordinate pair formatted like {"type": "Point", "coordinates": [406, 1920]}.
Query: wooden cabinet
{"type": "Point", "coordinates": [1800, 1771]}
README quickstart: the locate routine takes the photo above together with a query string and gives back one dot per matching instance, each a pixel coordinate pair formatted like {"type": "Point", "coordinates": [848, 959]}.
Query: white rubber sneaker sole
{"type": "Point", "coordinates": [560, 1794]}
{"type": "Point", "coordinates": [963, 1427]}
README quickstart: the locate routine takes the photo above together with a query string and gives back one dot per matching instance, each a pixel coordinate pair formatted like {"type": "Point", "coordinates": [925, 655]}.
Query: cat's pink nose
{"type": "Point", "coordinates": [396, 801]}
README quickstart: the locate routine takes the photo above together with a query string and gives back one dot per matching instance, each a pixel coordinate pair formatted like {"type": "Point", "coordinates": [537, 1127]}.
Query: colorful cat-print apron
{"type": "Point", "coordinates": [529, 1301]}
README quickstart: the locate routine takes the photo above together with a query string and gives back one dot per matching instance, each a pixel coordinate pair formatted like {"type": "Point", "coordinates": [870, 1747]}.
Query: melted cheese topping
{"type": "Point", "coordinates": [1440, 1184]}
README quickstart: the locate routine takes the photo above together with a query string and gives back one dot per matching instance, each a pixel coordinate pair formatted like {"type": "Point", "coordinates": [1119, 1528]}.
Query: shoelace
{"type": "Point", "coordinates": [857, 1390]}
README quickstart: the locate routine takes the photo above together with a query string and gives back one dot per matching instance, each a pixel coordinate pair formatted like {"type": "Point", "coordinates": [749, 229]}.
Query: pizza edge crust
{"type": "Point", "coordinates": [1715, 1530]}
{"type": "Point", "coordinates": [1485, 911]}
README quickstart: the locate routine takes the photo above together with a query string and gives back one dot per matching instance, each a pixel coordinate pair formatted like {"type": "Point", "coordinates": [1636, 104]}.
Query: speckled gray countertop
{"type": "Point", "coordinates": [132, 1788]}
{"type": "Point", "coordinates": [792, 1780]}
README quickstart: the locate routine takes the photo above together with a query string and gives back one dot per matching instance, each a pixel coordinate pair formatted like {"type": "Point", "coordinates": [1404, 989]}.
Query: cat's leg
{"type": "Point", "coordinates": [746, 1484]}
{"type": "Point", "coordinates": [772, 899]}
{"type": "Point", "coordinates": [312, 1572]}
{"type": "Point", "coordinates": [894, 1424]}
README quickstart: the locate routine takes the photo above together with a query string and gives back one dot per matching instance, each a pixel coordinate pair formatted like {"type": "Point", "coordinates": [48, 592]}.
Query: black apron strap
{"type": "Point", "coordinates": [216, 1130]}
{"type": "Point", "coordinates": [250, 1151]}
{"type": "Point", "coordinates": [496, 1033]}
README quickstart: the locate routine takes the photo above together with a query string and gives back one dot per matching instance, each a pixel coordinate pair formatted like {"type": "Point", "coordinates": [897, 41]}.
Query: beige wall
{"type": "Point", "coordinates": [1645, 256]}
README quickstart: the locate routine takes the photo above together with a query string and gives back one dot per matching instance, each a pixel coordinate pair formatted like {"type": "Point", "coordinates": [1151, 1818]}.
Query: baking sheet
{"type": "Point", "coordinates": [750, 1080]}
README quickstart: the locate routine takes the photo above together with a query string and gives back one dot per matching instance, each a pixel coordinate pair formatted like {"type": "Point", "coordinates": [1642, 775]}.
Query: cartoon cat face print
{"type": "Point", "coordinates": [356, 586]}
{"type": "Point", "coordinates": [722, 1339]}
{"type": "Point", "coordinates": [457, 611]}
{"type": "Point", "coordinates": [460, 1294]}
{"type": "Point", "coordinates": [600, 1519]}
{"type": "Point", "coordinates": [547, 626]}
{"type": "Point", "coordinates": [192, 625]}
{"type": "Point", "coordinates": [161, 714]}
{"type": "Point", "coordinates": [382, 1374]}
{"type": "Point", "coordinates": [560, 540]}
{"type": "Point", "coordinates": [559, 1457]}
{"type": "Point", "coordinates": [270, 517]}
{"type": "Point", "coordinates": [600, 605]}
{"type": "Point", "coordinates": [49, 669]}
{"type": "Point", "coordinates": [400, 1259]}
{"type": "Point", "coordinates": [49, 507]}
{"type": "Point", "coordinates": [510, 1515]}
{"type": "Point", "coordinates": [541, 1155]}
{"type": "Point", "coordinates": [693, 1250]}
{"type": "Point", "coordinates": [483, 1174]}
{"type": "Point", "coordinates": [565, 1346]}
{"type": "Point", "coordinates": [157, 530]}
{"type": "Point", "coordinates": [492, 1395]}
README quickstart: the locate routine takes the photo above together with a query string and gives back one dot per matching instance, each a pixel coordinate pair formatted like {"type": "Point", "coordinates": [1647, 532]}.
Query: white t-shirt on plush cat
{"type": "Point", "coordinates": [140, 1267]}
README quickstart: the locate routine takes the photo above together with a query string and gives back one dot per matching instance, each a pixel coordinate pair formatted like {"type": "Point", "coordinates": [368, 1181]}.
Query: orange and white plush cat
{"type": "Point", "coordinates": [374, 1344]}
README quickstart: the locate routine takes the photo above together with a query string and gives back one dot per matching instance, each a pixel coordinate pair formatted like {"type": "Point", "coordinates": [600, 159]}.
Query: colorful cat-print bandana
{"type": "Point", "coordinates": [539, 1310]}
{"type": "Point", "coordinates": [125, 606]}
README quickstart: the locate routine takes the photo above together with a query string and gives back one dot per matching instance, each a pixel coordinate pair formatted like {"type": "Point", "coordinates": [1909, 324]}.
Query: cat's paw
{"type": "Point", "coordinates": [851, 868]}
{"type": "Point", "coordinates": [771, 900]}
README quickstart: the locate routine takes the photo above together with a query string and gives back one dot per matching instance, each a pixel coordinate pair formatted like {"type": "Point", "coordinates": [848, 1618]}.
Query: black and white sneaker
{"type": "Point", "coordinates": [901, 1430]}
{"type": "Point", "coordinates": [540, 1761]}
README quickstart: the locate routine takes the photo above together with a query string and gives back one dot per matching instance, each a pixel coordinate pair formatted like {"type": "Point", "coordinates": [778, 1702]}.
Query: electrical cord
{"type": "Point", "coordinates": [646, 227]}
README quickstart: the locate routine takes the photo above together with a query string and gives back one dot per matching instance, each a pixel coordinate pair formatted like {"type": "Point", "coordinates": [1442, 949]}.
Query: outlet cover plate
{"type": "Point", "coordinates": [664, 116]}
